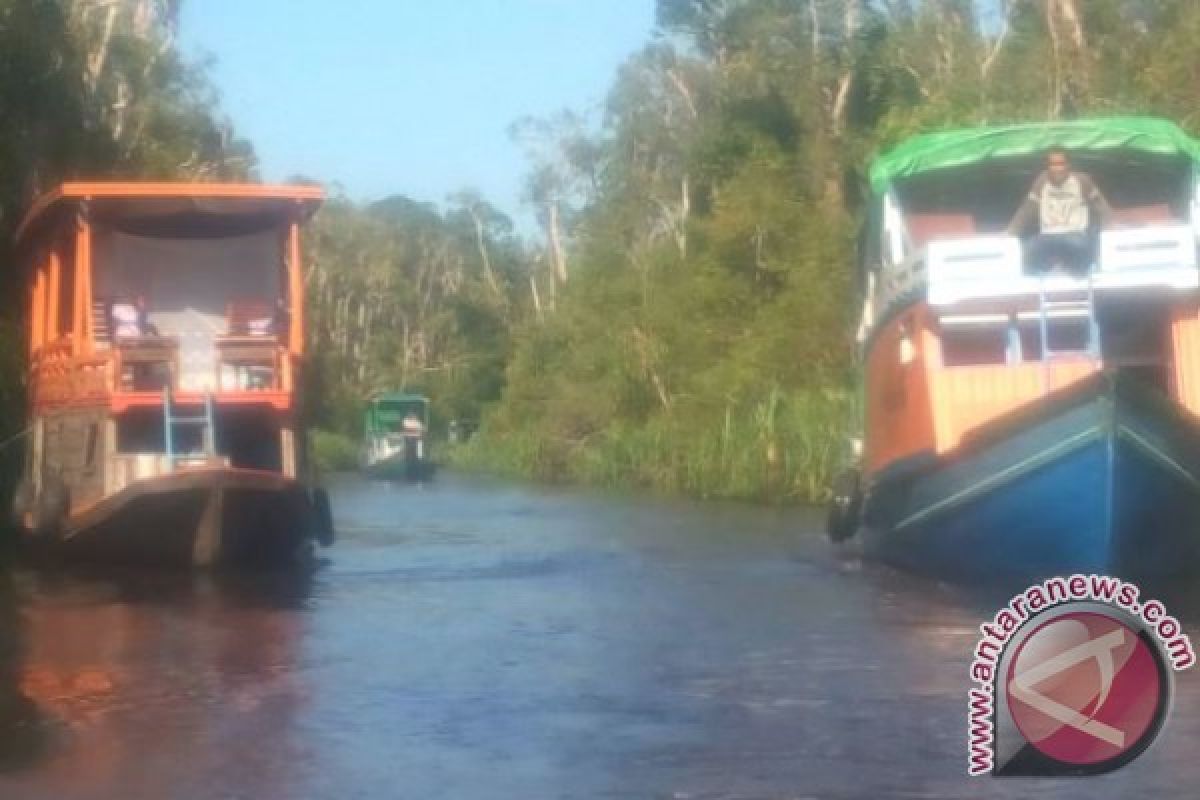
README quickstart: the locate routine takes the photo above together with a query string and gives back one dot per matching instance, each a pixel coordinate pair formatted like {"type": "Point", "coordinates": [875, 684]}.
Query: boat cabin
{"type": "Point", "coordinates": [166, 329]}
{"type": "Point", "coordinates": [387, 411]}
{"type": "Point", "coordinates": [394, 435]}
{"type": "Point", "coordinates": [960, 328]}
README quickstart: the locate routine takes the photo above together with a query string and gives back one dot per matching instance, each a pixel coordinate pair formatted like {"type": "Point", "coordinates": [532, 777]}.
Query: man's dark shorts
{"type": "Point", "coordinates": [1073, 252]}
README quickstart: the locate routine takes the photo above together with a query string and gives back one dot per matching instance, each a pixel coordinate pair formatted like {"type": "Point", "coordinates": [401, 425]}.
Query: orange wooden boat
{"type": "Point", "coordinates": [166, 343]}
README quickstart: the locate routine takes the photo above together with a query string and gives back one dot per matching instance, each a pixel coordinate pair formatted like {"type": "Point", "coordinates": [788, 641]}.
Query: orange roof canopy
{"type": "Point", "coordinates": [116, 201]}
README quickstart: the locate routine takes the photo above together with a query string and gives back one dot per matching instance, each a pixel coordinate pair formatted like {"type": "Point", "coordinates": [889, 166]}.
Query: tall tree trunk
{"type": "Point", "coordinates": [1001, 38]}
{"type": "Point", "coordinates": [537, 300]}
{"type": "Point", "coordinates": [98, 57]}
{"type": "Point", "coordinates": [851, 23]}
{"type": "Point", "coordinates": [1068, 45]}
{"type": "Point", "coordinates": [481, 244]}
{"type": "Point", "coordinates": [558, 255]}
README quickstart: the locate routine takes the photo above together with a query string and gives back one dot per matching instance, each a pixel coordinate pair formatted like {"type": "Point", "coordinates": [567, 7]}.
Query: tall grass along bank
{"type": "Point", "coordinates": [782, 448]}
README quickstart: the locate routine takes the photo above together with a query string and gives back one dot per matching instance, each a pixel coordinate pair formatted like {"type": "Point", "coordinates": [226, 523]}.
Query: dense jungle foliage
{"type": "Point", "coordinates": [682, 317]}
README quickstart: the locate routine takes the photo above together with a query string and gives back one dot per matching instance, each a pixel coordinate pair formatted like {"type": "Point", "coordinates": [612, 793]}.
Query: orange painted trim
{"type": "Point", "coordinates": [966, 398]}
{"type": "Point", "coordinates": [84, 290]}
{"type": "Point", "coordinates": [82, 259]}
{"type": "Point", "coordinates": [1184, 342]}
{"type": "Point", "coordinates": [37, 316]}
{"type": "Point", "coordinates": [53, 301]}
{"type": "Point", "coordinates": [278, 400]}
{"type": "Point", "coordinates": [924, 406]}
{"type": "Point", "coordinates": [899, 412]}
{"type": "Point", "coordinates": [295, 290]}
{"type": "Point", "coordinates": [82, 191]}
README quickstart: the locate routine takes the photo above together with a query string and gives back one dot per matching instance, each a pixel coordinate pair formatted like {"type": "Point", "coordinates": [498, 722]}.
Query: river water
{"type": "Point", "coordinates": [474, 639]}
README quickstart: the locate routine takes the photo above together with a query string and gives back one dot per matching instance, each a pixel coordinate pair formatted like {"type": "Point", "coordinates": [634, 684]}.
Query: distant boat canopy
{"type": "Point", "coordinates": [392, 446]}
{"type": "Point", "coordinates": [388, 410]}
{"type": "Point", "coordinates": [1111, 136]}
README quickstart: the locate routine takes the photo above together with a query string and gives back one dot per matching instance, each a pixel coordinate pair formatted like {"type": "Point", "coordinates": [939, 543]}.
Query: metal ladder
{"type": "Point", "coordinates": [170, 421]}
{"type": "Point", "coordinates": [1078, 308]}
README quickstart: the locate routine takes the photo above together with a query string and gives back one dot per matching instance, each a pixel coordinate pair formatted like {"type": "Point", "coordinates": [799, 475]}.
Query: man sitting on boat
{"type": "Point", "coordinates": [130, 319]}
{"type": "Point", "coordinates": [412, 425]}
{"type": "Point", "coordinates": [1063, 199]}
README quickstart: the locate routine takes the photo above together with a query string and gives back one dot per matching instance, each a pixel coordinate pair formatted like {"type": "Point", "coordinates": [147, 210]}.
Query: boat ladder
{"type": "Point", "coordinates": [1076, 308]}
{"type": "Point", "coordinates": [171, 421]}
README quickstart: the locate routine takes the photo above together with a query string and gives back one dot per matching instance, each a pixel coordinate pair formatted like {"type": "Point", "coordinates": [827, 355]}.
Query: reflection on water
{"type": "Point", "coordinates": [469, 639]}
{"type": "Point", "coordinates": [125, 684]}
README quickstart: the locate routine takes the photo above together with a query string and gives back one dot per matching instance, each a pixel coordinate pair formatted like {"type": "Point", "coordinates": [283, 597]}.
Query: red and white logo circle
{"type": "Point", "coordinates": [1086, 689]}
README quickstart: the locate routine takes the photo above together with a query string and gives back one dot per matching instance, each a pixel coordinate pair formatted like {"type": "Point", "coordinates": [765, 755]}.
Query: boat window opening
{"type": "Point", "coordinates": [1064, 335]}
{"type": "Point", "coordinates": [250, 439]}
{"type": "Point", "coordinates": [93, 436]}
{"type": "Point", "coordinates": [1155, 376]}
{"type": "Point", "coordinates": [924, 228]}
{"type": "Point", "coordinates": [140, 430]}
{"type": "Point", "coordinates": [196, 290]}
{"type": "Point", "coordinates": [1142, 189]}
{"type": "Point", "coordinates": [1135, 340]}
{"type": "Point", "coordinates": [66, 289]}
{"type": "Point", "coordinates": [975, 346]}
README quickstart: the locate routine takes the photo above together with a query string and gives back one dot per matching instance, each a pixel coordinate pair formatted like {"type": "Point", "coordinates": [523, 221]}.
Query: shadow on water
{"type": "Point", "coordinates": [22, 733]}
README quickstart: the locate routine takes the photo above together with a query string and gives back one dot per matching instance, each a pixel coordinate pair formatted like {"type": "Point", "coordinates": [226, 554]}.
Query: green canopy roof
{"type": "Point", "coordinates": [385, 409]}
{"type": "Point", "coordinates": [398, 397]}
{"type": "Point", "coordinates": [958, 148]}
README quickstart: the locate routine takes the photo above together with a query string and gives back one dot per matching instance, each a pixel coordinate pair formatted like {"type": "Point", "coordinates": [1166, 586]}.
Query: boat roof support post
{"type": "Point", "coordinates": [37, 317]}
{"type": "Point", "coordinates": [1194, 207]}
{"type": "Point", "coordinates": [295, 290]}
{"type": "Point", "coordinates": [895, 232]}
{"type": "Point", "coordinates": [54, 287]}
{"type": "Point", "coordinates": [83, 258]}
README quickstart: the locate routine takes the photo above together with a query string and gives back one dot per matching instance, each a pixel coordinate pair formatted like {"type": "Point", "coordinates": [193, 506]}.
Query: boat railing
{"type": "Point", "coordinates": [1161, 256]}
{"type": "Point", "coordinates": [971, 267]}
{"type": "Point", "coordinates": [139, 368]}
{"type": "Point", "coordinates": [63, 375]}
{"type": "Point", "coordinates": [1163, 252]}
{"type": "Point", "coordinates": [127, 468]}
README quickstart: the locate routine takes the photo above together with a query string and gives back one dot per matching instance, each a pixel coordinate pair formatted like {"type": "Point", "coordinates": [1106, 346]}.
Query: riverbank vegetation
{"type": "Point", "coordinates": [682, 317]}
{"type": "Point", "coordinates": [696, 273]}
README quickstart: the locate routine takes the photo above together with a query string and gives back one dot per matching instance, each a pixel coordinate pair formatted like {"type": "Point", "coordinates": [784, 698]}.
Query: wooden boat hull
{"type": "Point", "coordinates": [203, 517]}
{"type": "Point", "coordinates": [1102, 477]}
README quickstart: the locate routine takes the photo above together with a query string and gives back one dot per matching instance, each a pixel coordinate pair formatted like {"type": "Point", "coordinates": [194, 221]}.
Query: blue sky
{"type": "Point", "coordinates": [407, 96]}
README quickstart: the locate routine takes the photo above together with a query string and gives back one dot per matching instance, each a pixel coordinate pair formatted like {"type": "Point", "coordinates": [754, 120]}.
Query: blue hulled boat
{"type": "Point", "coordinates": [1023, 415]}
{"type": "Point", "coordinates": [1104, 477]}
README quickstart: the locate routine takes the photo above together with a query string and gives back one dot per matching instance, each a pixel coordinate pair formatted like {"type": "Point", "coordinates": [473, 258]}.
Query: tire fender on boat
{"type": "Point", "coordinates": [846, 505]}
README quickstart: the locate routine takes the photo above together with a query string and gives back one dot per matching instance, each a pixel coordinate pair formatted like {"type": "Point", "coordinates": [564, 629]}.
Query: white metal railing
{"type": "Point", "coordinates": [972, 267]}
{"type": "Point", "coordinates": [993, 266]}
{"type": "Point", "coordinates": [1163, 254]}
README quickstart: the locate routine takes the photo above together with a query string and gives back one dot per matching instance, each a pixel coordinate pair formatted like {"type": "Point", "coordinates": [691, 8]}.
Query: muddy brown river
{"type": "Point", "coordinates": [475, 639]}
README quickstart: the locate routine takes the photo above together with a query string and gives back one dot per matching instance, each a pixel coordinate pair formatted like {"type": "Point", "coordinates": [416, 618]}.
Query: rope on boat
{"type": "Point", "coordinates": [15, 438]}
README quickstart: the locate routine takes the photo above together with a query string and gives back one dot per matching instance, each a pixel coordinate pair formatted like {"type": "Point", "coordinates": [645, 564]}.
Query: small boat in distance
{"type": "Point", "coordinates": [166, 335]}
{"type": "Point", "coordinates": [395, 445]}
{"type": "Point", "coordinates": [1021, 421]}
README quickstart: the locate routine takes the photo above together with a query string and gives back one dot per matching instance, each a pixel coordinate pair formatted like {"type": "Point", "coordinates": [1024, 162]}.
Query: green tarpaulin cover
{"type": "Point", "coordinates": [387, 409]}
{"type": "Point", "coordinates": [958, 148]}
